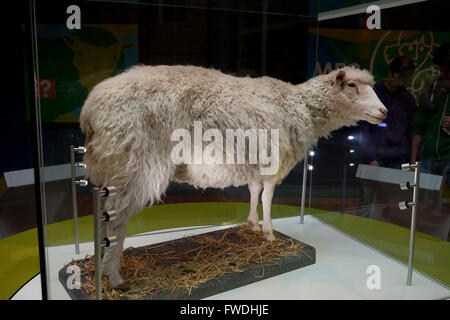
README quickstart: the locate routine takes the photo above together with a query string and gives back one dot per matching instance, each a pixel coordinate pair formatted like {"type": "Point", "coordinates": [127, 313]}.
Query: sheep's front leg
{"type": "Point", "coordinates": [253, 217]}
{"type": "Point", "coordinates": [267, 196]}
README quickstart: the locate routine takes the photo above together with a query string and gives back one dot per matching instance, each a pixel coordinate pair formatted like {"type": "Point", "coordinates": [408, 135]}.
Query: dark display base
{"type": "Point", "coordinates": [253, 273]}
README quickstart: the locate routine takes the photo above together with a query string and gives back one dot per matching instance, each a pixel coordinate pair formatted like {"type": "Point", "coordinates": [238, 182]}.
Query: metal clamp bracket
{"type": "Point", "coordinates": [80, 165]}
{"type": "Point", "coordinates": [108, 241]}
{"type": "Point", "coordinates": [405, 205]}
{"type": "Point", "coordinates": [108, 216]}
{"type": "Point", "coordinates": [80, 149]}
{"type": "Point", "coordinates": [108, 191]}
{"type": "Point", "coordinates": [81, 183]}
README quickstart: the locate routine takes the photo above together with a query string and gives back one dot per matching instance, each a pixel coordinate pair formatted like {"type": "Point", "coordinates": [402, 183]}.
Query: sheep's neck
{"type": "Point", "coordinates": [324, 118]}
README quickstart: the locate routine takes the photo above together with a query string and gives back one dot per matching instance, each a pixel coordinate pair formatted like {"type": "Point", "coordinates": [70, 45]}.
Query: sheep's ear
{"type": "Point", "coordinates": [339, 80]}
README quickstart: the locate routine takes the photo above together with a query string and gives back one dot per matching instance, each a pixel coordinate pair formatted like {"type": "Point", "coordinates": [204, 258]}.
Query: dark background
{"type": "Point", "coordinates": [227, 39]}
{"type": "Point", "coordinates": [225, 34]}
{"type": "Point", "coordinates": [243, 38]}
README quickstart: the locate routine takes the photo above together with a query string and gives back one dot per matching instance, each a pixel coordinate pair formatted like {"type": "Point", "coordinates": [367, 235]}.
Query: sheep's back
{"type": "Point", "coordinates": [137, 111]}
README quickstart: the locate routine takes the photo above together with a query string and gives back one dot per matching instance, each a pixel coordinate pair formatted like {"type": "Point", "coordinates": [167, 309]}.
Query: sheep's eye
{"type": "Point", "coordinates": [351, 85]}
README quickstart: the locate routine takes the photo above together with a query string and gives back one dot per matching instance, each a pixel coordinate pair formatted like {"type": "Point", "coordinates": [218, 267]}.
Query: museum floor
{"type": "Point", "coordinates": [340, 271]}
{"type": "Point", "coordinates": [18, 212]}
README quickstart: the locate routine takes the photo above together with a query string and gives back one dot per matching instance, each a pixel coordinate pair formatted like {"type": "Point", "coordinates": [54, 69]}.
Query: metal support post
{"type": "Point", "coordinates": [82, 183]}
{"type": "Point", "coordinates": [310, 168]}
{"type": "Point", "coordinates": [305, 169]}
{"type": "Point", "coordinates": [74, 200]}
{"type": "Point", "coordinates": [414, 204]}
{"type": "Point", "coordinates": [97, 243]}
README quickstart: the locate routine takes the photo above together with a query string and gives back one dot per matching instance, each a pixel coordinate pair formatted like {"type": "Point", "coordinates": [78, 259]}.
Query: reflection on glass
{"type": "Point", "coordinates": [360, 167]}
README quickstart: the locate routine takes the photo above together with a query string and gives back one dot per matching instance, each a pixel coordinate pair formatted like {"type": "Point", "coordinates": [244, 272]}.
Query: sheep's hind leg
{"type": "Point", "coordinates": [267, 196]}
{"type": "Point", "coordinates": [255, 188]}
{"type": "Point", "coordinates": [113, 254]}
{"type": "Point", "coordinates": [149, 189]}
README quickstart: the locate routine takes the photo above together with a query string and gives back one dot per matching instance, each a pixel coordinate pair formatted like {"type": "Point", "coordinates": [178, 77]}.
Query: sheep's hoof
{"type": "Point", "coordinates": [254, 227]}
{"type": "Point", "coordinates": [269, 236]}
{"type": "Point", "coordinates": [123, 286]}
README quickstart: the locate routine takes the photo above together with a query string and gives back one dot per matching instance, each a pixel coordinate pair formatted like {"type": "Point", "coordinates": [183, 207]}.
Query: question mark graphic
{"type": "Point", "coordinates": [46, 85]}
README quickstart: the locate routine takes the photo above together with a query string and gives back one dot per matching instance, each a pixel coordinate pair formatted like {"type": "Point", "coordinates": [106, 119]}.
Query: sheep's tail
{"type": "Point", "coordinates": [93, 167]}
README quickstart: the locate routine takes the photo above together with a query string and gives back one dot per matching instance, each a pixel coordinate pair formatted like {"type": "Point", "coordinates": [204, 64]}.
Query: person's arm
{"type": "Point", "coordinates": [446, 124]}
{"type": "Point", "coordinates": [420, 126]}
{"type": "Point", "coordinates": [416, 139]}
{"type": "Point", "coordinates": [412, 107]}
{"type": "Point", "coordinates": [415, 147]}
{"type": "Point", "coordinates": [367, 144]}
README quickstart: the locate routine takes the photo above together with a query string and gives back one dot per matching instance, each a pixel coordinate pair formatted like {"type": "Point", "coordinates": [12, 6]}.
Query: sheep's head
{"type": "Point", "coordinates": [352, 89]}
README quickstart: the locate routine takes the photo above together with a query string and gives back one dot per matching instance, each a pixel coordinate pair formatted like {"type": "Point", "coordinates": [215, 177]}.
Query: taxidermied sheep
{"type": "Point", "coordinates": [129, 121]}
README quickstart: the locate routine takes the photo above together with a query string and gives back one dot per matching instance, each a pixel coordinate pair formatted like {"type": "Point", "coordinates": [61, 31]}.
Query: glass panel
{"type": "Point", "coordinates": [358, 170]}
{"type": "Point", "coordinates": [235, 38]}
{"type": "Point", "coordinates": [18, 241]}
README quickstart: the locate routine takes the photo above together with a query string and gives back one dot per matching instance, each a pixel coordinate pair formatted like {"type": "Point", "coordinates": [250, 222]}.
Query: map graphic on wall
{"type": "Point", "coordinates": [71, 63]}
{"type": "Point", "coordinates": [375, 49]}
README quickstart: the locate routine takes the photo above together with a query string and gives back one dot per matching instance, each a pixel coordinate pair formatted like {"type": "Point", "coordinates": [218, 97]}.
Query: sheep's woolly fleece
{"type": "Point", "coordinates": [128, 121]}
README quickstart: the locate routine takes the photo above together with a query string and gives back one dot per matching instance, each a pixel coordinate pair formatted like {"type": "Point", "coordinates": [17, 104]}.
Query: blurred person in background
{"type": "Point", "coordinates": [432, 123]}
{"type": "Point", "coordinates": [388, 144]}
{"type": "Point", "coordinates": [432, 134]}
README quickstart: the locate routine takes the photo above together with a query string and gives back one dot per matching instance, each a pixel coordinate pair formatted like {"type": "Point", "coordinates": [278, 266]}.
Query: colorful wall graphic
{"type": "Point", "coordinates": [375, 49]}
{"type": "Point", "coordinates": [72, 63]}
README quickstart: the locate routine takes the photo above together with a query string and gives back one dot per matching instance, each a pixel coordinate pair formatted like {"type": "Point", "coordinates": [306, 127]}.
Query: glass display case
{"type": "Point", "coordinates": [78, 46]}
{"type": "Point", "coordinates": [357, 179]}
{"type": "Point", "coordinates": [342, 200]}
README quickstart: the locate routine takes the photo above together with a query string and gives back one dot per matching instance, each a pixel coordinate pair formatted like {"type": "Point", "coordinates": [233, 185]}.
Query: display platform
{"type": "Point", "coordinates": [198, 266]}
{"type": "Point", "coordinates": [340, 271]}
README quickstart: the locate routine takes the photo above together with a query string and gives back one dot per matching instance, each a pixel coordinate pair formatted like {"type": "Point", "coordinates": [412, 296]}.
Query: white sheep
{"type": "Point", "coordinates": [129, 121]}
